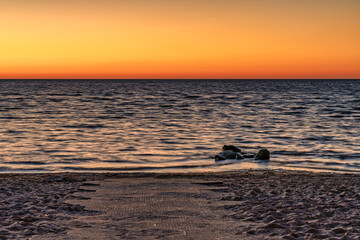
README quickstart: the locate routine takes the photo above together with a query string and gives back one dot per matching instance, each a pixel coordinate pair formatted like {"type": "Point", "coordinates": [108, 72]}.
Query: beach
{"type": "Point", "coordinates": [185, 120]}
{"type": "Point", "coordinates": [227, 205]}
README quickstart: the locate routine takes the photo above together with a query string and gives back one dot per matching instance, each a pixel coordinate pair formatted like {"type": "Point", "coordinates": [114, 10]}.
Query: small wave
{"type": "Point", "coordinates": [128, 149]}
{"type": "Point", "coordinates": [49, 112]}
{"type": "Point", "coordinates": [85, 126]}
{"type": "Point", "coordinates": [202, 148]}
{"type": "Point", "coordinates": [56, 99]}
{"type": "Point", "coordinates": [5, 169]}
{"type": "Point", "coordinates": [337, 116]}
{"type": "Point", "coordinates": [25, 162]}
{"type": "Point", "coordinates": [293, 112]}
{"type": "Point", "coordinates": [102, 98]}
{"type": "Point", "coordinates": [353, 165]}
{"type": "Point", "coordinates": [137, 168]}
{"type": "Point", "coordinates": [247, 126]}
{"type": "Point", "coordinates": [166, 106]}
{"type": "Point", "coordinates": [299, 108]}
{"type": "Point", "coordinates": [333, 164]}
{"type": "Point", "coordinates": [58, 94]}
{"type": "Point", "coordinates": [166, 141]}
{"type": "Point", "coordinates": [281, 137]}
{"type": "Point", "coordinates": [348, 156]}
{"type": "Point", "coordinates": [12, 170]}
{"type": "Point", "coordinates": [11, 94]}
{"type": "Point", "coordinates": [319, 138]}
{"type": "Point", "coordinates": [345, 112]}
{"type": "Point", "coordinates": [80, 159]}
{"type": "Point", "coordinates": [119, 161]}
{"type": "Point", "coordinates": [184, 105]}
{"type": "Point", "coordinates": [15, 132]}
{"type": "Point", "coordinates": [10, 117]}
{"type": "Point", "coordinates": [192, 96]}
{"type": "Point", "coordinates": [49, 150]}
{"type": "Point", "coordinates": [293, 153]}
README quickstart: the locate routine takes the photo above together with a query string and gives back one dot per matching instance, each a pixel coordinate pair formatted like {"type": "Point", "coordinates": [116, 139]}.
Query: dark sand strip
{"type": "Point", "coordinates": [153, 208]}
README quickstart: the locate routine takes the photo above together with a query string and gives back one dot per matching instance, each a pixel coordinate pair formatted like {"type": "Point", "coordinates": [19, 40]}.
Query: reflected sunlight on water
{"type": "Point", "coordinates": [178, 125]}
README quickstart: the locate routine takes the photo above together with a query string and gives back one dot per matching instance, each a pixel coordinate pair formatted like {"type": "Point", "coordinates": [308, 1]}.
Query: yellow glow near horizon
{"type": "Point", "coordinates": [179, 39]}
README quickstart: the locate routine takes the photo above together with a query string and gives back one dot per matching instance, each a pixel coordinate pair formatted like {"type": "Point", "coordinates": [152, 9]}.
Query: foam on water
{"type": "Point", "coordinates": [178, 125]}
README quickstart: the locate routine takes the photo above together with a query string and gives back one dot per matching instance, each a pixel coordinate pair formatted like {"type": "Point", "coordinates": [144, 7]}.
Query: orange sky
{"type": "Point", "coordinates": [180, 39]}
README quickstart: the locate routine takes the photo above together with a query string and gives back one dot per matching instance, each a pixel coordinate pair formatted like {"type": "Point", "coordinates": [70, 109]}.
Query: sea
{"type": "Point", "coordinates": [178, 125]}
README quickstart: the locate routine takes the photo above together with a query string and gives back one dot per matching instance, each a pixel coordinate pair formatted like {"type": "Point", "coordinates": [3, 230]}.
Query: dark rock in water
{"type": "Point", "coordinates": [248, 155]}
{"type": "Point", "coordinates": [232, 148]}
{"type": "Point", "coordinates": [263, 154]}
{"type": "Point", "coordinates": [219, 157]}
{"type": "Point", "coordinates": [233, 152]}
{"type": "Point", "coordinates": [239, 156]}
{"type": "Point", "coordinates": [228, 154]}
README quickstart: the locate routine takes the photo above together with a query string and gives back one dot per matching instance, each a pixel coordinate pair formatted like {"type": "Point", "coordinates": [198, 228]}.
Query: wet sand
{"type": "Point", "coordinates": [233, 205]}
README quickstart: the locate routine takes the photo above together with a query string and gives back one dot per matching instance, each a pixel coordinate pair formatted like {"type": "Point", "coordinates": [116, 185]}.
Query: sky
{"type": "Point", "coordinates": [179, 39]}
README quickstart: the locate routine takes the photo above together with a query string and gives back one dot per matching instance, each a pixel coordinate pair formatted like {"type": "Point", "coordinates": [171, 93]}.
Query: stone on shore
{"type": "Point", "coordinates": [263, 154]}
{"type": "Point", "coordinates": [232, 148]}
{"type": "Point", "coordinates": [228, 154]}
{"type": "Point", "coordinates": [239, 156]}
{"type": "Point", "coordinates": [219, 157]}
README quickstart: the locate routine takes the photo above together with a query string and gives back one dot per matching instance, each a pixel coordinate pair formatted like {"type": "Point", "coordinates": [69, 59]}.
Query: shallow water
{"type": "Point", "coordinates": [178, 125]}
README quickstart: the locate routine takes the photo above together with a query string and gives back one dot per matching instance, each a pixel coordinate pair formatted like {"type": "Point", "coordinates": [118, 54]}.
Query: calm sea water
{"type": "Point", "coordinates": [178, 125]}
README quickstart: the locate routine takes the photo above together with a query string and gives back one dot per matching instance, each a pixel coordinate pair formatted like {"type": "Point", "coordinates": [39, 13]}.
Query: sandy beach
{"type": "Point", "coordinates": [231, 205]}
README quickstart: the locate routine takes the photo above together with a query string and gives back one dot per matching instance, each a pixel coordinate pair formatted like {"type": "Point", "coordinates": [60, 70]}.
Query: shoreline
{"type": "Point", "coordinates": [138, 173]}
{"type": "Point", "coordinates": [260, 203]}
{"type": "Point", "coordinates": [184, 171]}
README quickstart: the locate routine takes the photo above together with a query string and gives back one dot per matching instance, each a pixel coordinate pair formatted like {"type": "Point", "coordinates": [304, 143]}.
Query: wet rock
{"type": "Point", "coordinates": [263, 154]}
{"type": "Point", "coordinates": [232, 148]}
{"type": "Point", "coordinates": [228, 154]}
{"type": "Point", "coordinates": [219, 157]}
{"type": "Point", "coordinates": [239, 156]}
{"type": "Point", "coordinates": [248, 155]}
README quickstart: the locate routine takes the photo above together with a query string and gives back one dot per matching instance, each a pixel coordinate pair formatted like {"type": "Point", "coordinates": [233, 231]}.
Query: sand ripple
{"type": "Point", "coordinates": [297, 206]}
{"type": "Point", "coordinates": [256, 204]}
{"type": "Point", "coordinates": [31, 204]}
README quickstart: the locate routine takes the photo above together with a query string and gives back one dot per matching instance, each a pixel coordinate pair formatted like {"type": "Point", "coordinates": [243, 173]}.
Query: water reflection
{"type": "Point", "coordinates": [178, 125]}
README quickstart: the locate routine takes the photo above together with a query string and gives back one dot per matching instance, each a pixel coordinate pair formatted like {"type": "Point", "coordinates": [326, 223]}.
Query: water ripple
{"type": "Point", "coordinates": [178, 125]}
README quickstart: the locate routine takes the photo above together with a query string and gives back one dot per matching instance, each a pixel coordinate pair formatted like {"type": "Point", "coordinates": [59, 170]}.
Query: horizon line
{"type": "Point", "coordinates": [179, 79]}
